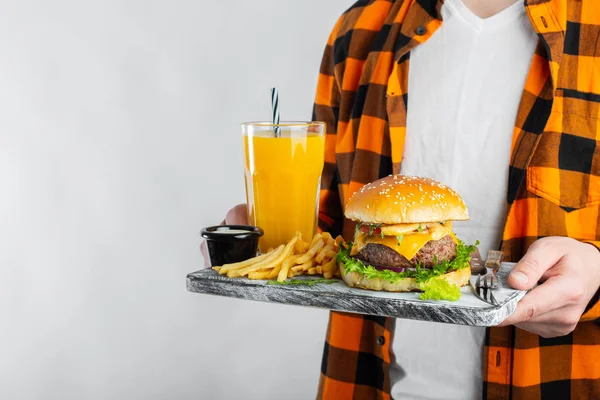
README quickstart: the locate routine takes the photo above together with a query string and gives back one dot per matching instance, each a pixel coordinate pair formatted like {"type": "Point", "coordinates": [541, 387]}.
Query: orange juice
{"type": "Point", "coordinates": [283, 176]}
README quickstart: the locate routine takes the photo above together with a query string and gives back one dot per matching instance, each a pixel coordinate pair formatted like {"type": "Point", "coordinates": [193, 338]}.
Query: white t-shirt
{"type": "Point", "coordinates": [465, 84]}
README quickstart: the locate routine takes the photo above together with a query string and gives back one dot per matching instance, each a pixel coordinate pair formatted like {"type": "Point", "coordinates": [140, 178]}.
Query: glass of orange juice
{"type": "Point", "coordinates": [283, 177]}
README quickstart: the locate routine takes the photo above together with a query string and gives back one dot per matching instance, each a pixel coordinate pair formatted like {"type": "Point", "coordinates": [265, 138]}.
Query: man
{"type": "Point", "coordinates": [491, 70]}
{"type": "Point", "coordinates": [502, 103]}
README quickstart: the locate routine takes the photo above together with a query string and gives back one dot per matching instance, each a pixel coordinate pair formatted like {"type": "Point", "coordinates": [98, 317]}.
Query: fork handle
{"type": "Point", "coordinates": [494, 260]}
{"type": "Point", "coordinates": [477, 267]}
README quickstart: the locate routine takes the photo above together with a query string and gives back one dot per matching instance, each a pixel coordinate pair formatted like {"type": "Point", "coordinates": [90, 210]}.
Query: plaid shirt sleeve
{"type": "Point", "coordinates": [592, 311]}
{"type": "Point", "coordinates": [357, 352]}
{"type": "Point", "coordinates": [326, 109]}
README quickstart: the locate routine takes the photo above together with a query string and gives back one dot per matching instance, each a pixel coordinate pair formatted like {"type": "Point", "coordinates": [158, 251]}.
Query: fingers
{"type": "Point", "coordinates": [204, 252]}
{"type": "Point", "coordinates": [559, 322]}
{"type": "Point", "coordinates": [553, 308]}
{"type": "Point", "coordinates": [238, 215]}
{"type": "Point", "coordinates": [541, 256]}
{"type": "Point", "coordinates": [555, 293]}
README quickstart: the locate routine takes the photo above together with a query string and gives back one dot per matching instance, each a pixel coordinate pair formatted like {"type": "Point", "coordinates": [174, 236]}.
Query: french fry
{"type": "Point", "coordinates": [301, 246]}
{"type": "Point", "coordinates": [287, 250]}
{"type": "Point", "coordinates": [311, 252]}
{"type": "Point", "coordinates": [288, 262]}
{"type": "Point", "coordinates": [264, 263]}
{"type": "Point", "coordinates": [314, 240]}
{"type": "Point", "coordinates": [323, 252]}
{"type": "Point", "coordinates": [329, 268]}
{"type": "Point", "coordinates": [296, 257]}
{"type": "Point", "coordinates": [285, 267]}
{"type": "Point", "coordinates": [275, 271]}
{"type": "Point", "coordinates": [306, 247]}
{"type": "Point", "coordinates": [291, 261]}
{"type": "Point", "coordinates": [326, 236]}
{"type": "Point", "coordinates": [272, 274]}
{"type": "Point", "coordinates": [258, 274]}
{"type": "Point", "coordinates": [304, 267]}
{"type": "Point", "coordinates": [227, 267]}
{"type": "Point", "coordinates": [292, 274]}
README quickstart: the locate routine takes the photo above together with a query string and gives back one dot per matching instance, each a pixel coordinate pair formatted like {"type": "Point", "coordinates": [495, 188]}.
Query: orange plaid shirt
{"type": "Point", "coordinates": [554, 182]}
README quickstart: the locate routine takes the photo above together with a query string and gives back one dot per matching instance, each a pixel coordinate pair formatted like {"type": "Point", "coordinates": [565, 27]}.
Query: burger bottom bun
{"type": "Point", "coordinates": [459, 277]}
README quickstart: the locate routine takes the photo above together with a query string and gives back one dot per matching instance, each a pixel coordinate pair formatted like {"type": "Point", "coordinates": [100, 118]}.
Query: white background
{"type": "Point", "coordinates": [119, 141]}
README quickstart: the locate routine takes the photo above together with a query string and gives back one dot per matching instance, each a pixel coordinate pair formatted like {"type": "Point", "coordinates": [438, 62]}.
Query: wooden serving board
{"type": "Point", "coordinates": [469, 310]}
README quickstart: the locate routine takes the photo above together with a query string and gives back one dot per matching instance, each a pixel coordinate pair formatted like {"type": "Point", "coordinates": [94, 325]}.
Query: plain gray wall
{"type": "Point", "coordinates": [119, 141]}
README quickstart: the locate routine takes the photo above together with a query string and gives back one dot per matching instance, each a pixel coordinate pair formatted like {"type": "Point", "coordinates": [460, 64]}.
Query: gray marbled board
{"type": "Point", "coordinates": [469, 310]}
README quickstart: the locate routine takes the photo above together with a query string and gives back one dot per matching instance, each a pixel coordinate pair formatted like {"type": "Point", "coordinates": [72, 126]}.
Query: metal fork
{"type": "Point", "coordinates": [483, 285]}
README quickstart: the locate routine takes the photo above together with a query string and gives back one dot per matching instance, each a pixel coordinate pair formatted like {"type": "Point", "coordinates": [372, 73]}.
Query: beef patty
{"type": "Point", "coordinates": [382, 256]}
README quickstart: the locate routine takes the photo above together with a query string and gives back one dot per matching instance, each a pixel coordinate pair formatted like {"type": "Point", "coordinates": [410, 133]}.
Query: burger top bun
{"type": "Point", "coordinates": [403, 199]}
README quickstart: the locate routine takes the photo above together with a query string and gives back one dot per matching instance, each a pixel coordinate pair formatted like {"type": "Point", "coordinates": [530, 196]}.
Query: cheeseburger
{"type": "Point", "coordinates": [403, 237]}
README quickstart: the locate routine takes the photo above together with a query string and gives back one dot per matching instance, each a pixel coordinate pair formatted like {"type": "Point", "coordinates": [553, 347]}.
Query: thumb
{"type": "Point", "coordinates": [238, 215]}
{"type": "Point", "coordinates": [539, 258]}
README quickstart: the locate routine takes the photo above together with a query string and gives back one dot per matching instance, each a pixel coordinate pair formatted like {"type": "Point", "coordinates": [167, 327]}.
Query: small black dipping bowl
{"type": "Point", "coordinates": [231, 243]}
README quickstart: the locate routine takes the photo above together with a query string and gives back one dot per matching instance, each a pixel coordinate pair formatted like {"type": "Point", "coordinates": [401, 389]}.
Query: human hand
{"type": "Point", "coordinates": [238, 215]}
{"type": "Point", "coordinates": [569, 276]}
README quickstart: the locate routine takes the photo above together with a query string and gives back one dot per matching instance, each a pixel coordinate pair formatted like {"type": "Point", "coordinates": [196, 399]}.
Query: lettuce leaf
{"type": "Point", "coordinates": [440, 289]}
{"type": "Point", "coordinates": [463, 256]}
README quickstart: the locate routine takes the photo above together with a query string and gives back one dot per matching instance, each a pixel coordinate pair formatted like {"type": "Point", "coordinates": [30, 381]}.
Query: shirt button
{"type": "Point", "coordinates": [381, 340]}
{"type": "Point", "coordinates": [421, 30]}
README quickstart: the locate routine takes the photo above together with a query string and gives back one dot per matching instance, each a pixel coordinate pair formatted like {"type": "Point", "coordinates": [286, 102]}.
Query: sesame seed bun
{"type": "Point", "coordinates": [460, 277]}
{"type": "Point", "coordinates": [403, 199]}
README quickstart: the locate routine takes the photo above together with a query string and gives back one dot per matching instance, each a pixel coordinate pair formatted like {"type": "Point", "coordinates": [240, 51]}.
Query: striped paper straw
{"type": "Point", "coordinates": [275, 109]}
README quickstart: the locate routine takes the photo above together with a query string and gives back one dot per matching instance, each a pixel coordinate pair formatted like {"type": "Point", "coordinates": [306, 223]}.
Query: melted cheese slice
{"type": "Point", "coordinates": [410, 245]}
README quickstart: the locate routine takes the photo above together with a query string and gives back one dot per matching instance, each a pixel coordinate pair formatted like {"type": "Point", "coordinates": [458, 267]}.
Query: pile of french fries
{"type": "Point", "coordinates": [297, 257]}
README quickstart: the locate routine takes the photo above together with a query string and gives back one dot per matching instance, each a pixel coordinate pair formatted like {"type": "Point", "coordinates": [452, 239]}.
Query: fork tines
{"type": "Point", "coordinates": [484, 288]}
{"type": "Point", "coordinates": [493, 278]}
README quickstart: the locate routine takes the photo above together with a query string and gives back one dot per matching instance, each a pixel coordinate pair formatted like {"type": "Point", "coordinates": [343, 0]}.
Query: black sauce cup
{"type": "Point", "coordinates": [231, 243]}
